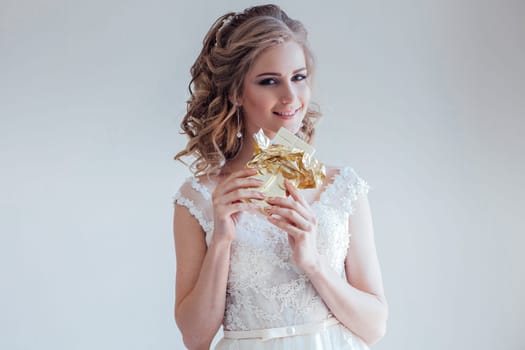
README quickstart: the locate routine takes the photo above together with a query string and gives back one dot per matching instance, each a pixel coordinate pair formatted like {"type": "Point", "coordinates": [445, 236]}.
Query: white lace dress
{"type": "Point", "coordinates": [265, 288]}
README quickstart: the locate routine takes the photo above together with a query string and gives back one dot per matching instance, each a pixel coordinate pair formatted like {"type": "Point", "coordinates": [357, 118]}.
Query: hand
{"type": "Point", "coordinates": [227, 201]}
{"type": "Point", "coordinates": [294, 216]}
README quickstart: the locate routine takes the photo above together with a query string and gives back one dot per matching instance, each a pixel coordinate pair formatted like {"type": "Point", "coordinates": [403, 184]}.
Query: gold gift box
{"type": "Point", "coordinates": [284, 157]}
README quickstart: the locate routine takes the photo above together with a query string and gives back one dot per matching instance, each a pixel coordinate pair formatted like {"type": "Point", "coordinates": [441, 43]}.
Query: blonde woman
{"type": "Point", "coordinates": [304, 276]}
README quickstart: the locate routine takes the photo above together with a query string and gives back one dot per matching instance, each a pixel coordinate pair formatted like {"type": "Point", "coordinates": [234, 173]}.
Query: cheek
{"type": "Point", "coordinates": [261, 99]}
{"type": "Point", "coordinates": [304, 92]}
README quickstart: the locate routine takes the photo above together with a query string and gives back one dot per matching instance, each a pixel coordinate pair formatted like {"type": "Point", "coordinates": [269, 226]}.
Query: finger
{"type": "Point", "coordinates": [289, 203]}
{"type": "Point", "coordinates": [240, 194]}
{"type": "Point", "coordinates": [291, 216]}
{"type": "Point", "coordinates": [243, 173]}
{"type": "Point", "coordinates": [243, 206]}
{"type": "Point", "coordinates": [236, 183]}
{"type": "Point", "coordinates": [294, 192]}
{"type": "Point", "coordinates": [292, 230]}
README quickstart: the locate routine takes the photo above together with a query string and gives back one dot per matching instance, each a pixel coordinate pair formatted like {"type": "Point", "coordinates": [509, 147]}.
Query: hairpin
{"type": "Point", "coordinates": [225, 22]}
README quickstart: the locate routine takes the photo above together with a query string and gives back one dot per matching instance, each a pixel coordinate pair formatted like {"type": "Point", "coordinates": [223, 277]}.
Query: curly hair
{"type": "Point", "coordinates": [230, 47]}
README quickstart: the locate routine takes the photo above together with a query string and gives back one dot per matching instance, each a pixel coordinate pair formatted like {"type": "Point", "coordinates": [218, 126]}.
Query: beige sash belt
{"type": "Point", "coordinates": [270, 333]}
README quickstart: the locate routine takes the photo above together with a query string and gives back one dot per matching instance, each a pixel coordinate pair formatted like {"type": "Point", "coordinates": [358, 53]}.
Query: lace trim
{"type": "Point", "coordinates": [265, 289]}
{"type": "Point", "coordinates": [263, 282]}
{"type": "Point", "coordinates": [203, 190]}
{"type": "Point", "coordinates": [188, 203]}
{"type": "Point", "coordinates": [333, 227]}
{"type": "Point", "coordinates": [345, 189]}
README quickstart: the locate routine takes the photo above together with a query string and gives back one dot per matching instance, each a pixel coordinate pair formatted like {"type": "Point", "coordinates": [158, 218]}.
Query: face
{"type": "Point", "coordinates": [276, 91]}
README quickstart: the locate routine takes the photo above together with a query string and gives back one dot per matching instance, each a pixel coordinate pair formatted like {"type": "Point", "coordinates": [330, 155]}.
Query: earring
{"type": "Point", "coordinates": [239, 133]}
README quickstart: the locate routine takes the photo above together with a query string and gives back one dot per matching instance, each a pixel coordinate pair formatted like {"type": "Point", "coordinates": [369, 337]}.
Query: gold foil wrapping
{"type": "Point", "coordinates": [284, 157]}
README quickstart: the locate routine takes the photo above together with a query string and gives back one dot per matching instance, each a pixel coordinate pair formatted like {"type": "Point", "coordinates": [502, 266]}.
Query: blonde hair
{"type": "Point", "coordinates": [230, 47]}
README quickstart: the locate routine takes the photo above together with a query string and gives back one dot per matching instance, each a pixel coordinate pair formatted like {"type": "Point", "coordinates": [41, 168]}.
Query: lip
{"type": "Point", "coordinates": [286, 114]}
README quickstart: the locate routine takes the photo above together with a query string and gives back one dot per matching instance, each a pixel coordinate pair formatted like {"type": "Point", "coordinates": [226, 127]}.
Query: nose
{"type": "Point", "coordinates": [288, 94]}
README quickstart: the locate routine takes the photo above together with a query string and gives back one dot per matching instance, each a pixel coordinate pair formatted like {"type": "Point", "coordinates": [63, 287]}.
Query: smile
{"type": "Point", "coordinates": [287, 114]}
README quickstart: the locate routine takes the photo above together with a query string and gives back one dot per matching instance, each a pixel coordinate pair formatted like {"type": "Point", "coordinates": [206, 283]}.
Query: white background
{"type": "Point", "coordinates": [425, 99]}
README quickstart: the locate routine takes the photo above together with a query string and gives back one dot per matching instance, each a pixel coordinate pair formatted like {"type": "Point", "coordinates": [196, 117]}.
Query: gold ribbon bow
{"type": "Point", "coordinates": [288, 157]}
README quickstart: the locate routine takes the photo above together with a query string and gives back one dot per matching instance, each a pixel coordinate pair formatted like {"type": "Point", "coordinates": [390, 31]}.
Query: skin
{"type": "Point", "coordinates": [358, 302]}
{"type": "Point", "coordinates": [277, 82]}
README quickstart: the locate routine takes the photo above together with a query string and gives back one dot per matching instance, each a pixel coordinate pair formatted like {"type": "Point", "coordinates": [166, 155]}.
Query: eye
{"type": "Point", "coordinates": [268, 81]}
{"type": "Point", "coordinates": [299, 77]}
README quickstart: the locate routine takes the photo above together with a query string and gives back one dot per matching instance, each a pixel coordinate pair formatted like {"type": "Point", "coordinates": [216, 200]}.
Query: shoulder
{"type": "Point", "coordinates": [346, 174]}
{"type": "Point", "coordinates": [346, 186]}
{"type": "Point", "coordinates": [194, 187]}
{"type": "Point", "coordinates": [196, 198]}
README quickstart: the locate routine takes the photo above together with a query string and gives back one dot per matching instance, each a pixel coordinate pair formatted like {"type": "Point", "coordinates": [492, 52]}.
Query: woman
{"type": "Point", "coordinates": [291, 279]}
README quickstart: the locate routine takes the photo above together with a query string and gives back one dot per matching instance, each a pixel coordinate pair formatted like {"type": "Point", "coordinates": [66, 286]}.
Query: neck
{"type": "Point", "coordinates": [240, 160]}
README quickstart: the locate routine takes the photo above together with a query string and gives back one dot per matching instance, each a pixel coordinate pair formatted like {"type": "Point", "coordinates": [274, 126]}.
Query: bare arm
{"type": "Point", "coordinates": [201, 281]}
{"type": "Point", "coordinates": [202, 272]}
{"type": "Point", "coordinates": [357, 302]}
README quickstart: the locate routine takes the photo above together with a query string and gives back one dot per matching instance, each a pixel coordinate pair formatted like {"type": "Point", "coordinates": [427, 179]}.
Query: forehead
{"type": "Point", "coordinates": [282, 58]}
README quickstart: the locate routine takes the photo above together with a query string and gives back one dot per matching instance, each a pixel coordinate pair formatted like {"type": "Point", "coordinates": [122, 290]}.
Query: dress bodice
{"type": "Point", "coordinates": [265, 287]}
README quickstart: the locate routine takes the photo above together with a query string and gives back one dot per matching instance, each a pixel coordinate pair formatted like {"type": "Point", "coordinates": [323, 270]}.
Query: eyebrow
{"type": "Point", "coordinates": [279, 74]}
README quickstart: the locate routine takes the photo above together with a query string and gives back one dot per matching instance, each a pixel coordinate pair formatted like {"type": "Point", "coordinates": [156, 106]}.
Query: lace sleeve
{"type": "Point", "coordinates": [347, 186]}
{"type": "Point", "coordinates": [196, 198]}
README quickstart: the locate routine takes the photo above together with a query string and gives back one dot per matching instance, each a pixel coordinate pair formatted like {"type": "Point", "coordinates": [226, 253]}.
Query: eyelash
{"type": "Point", "coordinates": [273, 81]}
